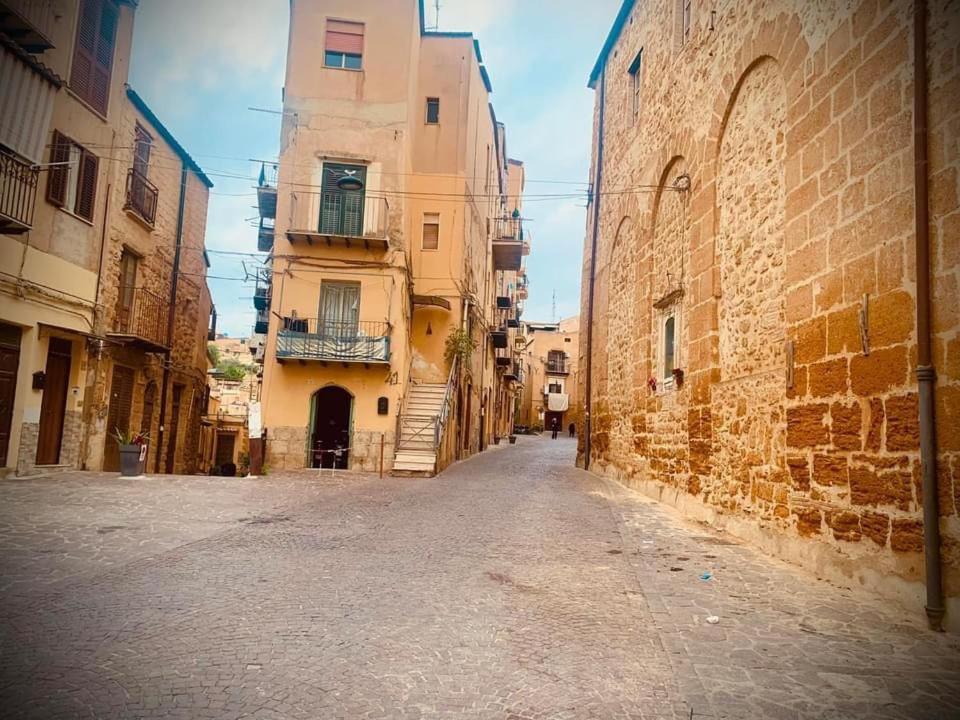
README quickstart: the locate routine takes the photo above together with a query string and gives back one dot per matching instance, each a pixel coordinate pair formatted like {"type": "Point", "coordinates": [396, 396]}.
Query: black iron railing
{"type": "Point", "coordinates": [18, 193]}
{"type": "Point", "coordinates": [144, 316]}
{"type": "Point", "coordinates": [558, 367]}
{"type": "Point", "coordinates": [320, 339]}
{"type": "Point", "coordinates": [141, 196]}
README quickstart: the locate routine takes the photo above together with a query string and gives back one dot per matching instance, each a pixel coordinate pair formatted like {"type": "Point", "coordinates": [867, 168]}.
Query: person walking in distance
{"type": "Point", "coordinates": [573, 429]}
{"type": "Point", "coordinates": [555, 427]}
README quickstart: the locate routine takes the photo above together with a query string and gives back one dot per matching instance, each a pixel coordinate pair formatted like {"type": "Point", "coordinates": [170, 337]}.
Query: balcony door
{"type": "Point", "coordinates": [125, 294]}
{"type": "Point", "coordinates": [339, 309]}
{"type": "Point", "coordinates": [53, 405]}
{"type": "Point", "coordinates": [341, 199]}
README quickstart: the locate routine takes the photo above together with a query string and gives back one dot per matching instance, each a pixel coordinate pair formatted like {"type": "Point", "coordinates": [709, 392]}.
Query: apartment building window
{"type": "Point", "coordinates": [669, 346]}
{"type": "Point", "coordinates": [72, 179]}
{"type": "Point", "coordinates": [555, 387]}
{"type": "Point", "coordinates": [93, 53]}
{"type": "Point", "coordinates": [433, 111]}
{"type": "Point", "coordinates": [141, 193]}
{"type": "Point", "coordinates": [431, 231]}
{"type": "Point", "coordinates": [636, 68]}
{"type": "Point", "coordinates": [339, 309]}
{"type": "Point", "coordinates": [142, 144]}
{"type": "Point", "coordinates": [344, 45]}
{"type": "Point", "coordinates": [126, 288]}
{"type": "Point", "coordinates": [686, 19]}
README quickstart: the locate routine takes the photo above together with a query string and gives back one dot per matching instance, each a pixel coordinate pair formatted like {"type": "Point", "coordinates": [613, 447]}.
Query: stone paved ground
{"type": "Point", "coordinates": [512, 586]}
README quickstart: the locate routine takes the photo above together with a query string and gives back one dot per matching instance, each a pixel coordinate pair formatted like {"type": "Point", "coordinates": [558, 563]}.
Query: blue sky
{"type": "Point", "coordinates": [201, 64]}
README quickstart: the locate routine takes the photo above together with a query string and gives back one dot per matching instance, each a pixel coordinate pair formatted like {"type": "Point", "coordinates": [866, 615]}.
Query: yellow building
{"type": "Point", "coordinates": [394, 221]}
{"type": "Point", "coordinates": [550, 352]}
{"type": "Point", "coordinates": [99, 246]}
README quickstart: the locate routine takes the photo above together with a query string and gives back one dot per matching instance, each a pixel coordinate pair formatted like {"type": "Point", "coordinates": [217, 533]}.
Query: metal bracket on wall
{"type": "Point", "coordinates": [863, 320]}
{"type": "Point", "coordinates": [788, 348]}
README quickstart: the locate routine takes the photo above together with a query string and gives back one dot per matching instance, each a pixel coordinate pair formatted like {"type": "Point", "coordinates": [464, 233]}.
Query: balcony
{"type": "Point", "coordinates": [261, 297]}
{"type": "Point", "coordinates": [143, 321]}
{"type": "Point", "coordinates": [347, 219]}
{"type": "Point", "coordinates": [504, 302]}
{"type": "Point", "coordinates": [327, 341]}
{"type": "Point", "coordinates": [515, 373]}
{"type": "Point", "coordinates": [267, 190]}
{"type": "Point", "coordinates": [557, 367]}
{"type": "Point", "coordinates": [504, 361]}
{"type": "Point", "coordinates": [499, 338]}
{"type": "Point", "coordinates": [141, 197]}
{"type": "Point", "coordinates": [262, 322]}
{"type": "Point", "coordinates": [508, 244]}
{"type": "Point", "coordinates": [29, 23]}
{"type": "Point", "coordinates": [265, 235]}
{"type": "Point", "coordinates": [18, 193]}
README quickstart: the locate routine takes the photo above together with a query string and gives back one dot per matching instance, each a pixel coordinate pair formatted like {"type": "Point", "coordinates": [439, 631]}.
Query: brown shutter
{"type": "Point", "coordinates": [103, 61]}
{"type": "Point", "coordinates": [85, 48]}
{"type": "Point", "coordinates": [57, 176]}
{"type": "Point", "coordinates": [87, 185]}
{"type": "Point", "coordinates": [344, 37]}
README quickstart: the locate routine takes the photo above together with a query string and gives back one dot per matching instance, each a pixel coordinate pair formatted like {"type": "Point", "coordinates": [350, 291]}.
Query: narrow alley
{"type": "Point", "coordinates": [512, 585]}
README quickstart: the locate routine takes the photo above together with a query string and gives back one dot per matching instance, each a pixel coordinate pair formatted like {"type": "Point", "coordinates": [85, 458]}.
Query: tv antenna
{"type": "Point", "coordinates": [553, 307]}
{"type": "Point", "coordinates": [436, 16]}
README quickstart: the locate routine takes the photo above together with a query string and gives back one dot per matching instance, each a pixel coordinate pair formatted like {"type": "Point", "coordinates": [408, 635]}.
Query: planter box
{"type": "Point", "coordinates": [513, 439]}
{"type": "Point", "coordinates": [132, 460]}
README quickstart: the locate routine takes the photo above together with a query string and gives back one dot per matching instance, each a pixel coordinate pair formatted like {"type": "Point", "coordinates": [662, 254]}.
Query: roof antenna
{"type": "Point", "coordinates": [553, 307]}
{"type": "Point", "coordinates": [436, 16]}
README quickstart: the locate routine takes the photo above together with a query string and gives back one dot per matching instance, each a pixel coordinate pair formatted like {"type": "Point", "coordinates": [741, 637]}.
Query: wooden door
{"type": "Point", "coordinates": [9, 362]}
{"type": "Point", "coordinates": [174, 427]}
{"type": "Point", "coordinates": [53, 406]}
{"type": "Point", "coordinates": [225, 445]}
{"type": "Point", "coordinates": [118, 414]}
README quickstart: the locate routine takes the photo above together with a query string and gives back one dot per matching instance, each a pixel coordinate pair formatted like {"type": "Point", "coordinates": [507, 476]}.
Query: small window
{"type": "Point", "coordinates": [556, 388]}
{"type": "Point", "coordinates": [669, 346]}
{"type": "Point", "coordinates": [344, 45]}
{"type": "Point", "coordinates": [433, 111]}
{"type": "Point", "coordinates": [431, 231]}
{"type": "Point", "coordinates": [567, 340]}
{"type": "Point", "coordinates": [72, 180]}
{"type": "Point", "coordinates": [93, 52]}
{"type": "Point", "coordinates": [635, 81]}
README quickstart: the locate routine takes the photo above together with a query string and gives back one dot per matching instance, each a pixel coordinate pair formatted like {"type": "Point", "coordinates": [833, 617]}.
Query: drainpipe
{"type": "Point", "coordinates": [172, 316]}
{"type": "Point", "coordinates": [588, 416]}
{"type": "Point", "coordinates": [926, 376]}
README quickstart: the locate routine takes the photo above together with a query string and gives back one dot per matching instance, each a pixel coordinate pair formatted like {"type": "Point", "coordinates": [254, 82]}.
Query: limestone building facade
{"type": "Point", "coordinates": [104, 307]}
{"type": "Point", "coordinates": [753, 304]}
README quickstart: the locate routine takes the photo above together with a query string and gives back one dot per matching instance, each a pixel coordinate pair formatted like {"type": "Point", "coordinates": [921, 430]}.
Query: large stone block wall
{"type": "Point", "coordinates": [287, 449]}
{"type": "Point", "coordinates": [793, 121]}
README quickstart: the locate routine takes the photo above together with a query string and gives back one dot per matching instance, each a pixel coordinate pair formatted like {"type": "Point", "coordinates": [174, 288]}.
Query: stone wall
{"type": "Point", "coordinates": [287, 450]}
{"type": "Point", "coordinates": [795, 424]}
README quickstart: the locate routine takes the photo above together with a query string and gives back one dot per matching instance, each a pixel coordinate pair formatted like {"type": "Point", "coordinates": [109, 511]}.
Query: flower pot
{"type": "Point", "coordinates": [496, 439]}
{"type": "Point", "coordinates": [513, 439]}
{"type": "Point", "coordinates": [131, 463]}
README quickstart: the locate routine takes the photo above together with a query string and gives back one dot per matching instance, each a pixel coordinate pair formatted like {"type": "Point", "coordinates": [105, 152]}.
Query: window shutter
{"type": "Point", "coordinates": [431, 231]}
{"type": "Point", "coordinates": [103, 61]}
{"type": "Point", "coordinates": [87, 185]}
{"type": "Point", "coordinates": [57, 177]}
{"type": "Point", "coordinates": [344, 37]}
{"type": "Point", "coordinates": [85, 48]}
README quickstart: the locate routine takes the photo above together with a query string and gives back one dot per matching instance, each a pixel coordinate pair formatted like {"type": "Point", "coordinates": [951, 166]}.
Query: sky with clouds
{"type": "Point", "coordinates": [201, 64]}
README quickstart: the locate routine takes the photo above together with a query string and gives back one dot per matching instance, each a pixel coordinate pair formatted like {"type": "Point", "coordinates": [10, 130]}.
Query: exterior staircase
{"type": "Point", "coordinates": [417, 448]}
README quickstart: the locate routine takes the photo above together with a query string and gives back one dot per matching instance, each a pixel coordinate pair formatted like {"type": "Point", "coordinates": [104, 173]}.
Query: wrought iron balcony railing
{"type": "Point", "coordinates": [558, 367]}
{"type": "Point", "coordinates": [267, 190]}
{"type": "Point", "coordinates": [320, 339]}
{"type": "Point", "coordinates": [18, 193]}
{"type": "Point", "coordinates": [141, 197]}
{"type": "Point", "coordinates": [143, 320]}
{"type": "Point", "coordinates": [344, 218]}
{"type": "Point", "coordinates": [265, 235]}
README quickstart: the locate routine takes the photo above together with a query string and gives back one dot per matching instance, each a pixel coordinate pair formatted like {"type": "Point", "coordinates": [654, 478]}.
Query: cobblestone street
{"type": "Point", "coordinates": [511, 586]}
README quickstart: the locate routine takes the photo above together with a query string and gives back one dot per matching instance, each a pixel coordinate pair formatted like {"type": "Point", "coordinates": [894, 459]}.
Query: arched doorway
{"type": "Point", "coordinates": [330, 416]}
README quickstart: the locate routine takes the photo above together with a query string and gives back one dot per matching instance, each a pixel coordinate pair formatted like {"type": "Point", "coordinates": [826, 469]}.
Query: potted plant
{"type": "Point", "coordinates": [512, 439]}
{"type": "Point", "coordinates": [133, 452]}
{"type": "Point", "coordinates": [496, 439]}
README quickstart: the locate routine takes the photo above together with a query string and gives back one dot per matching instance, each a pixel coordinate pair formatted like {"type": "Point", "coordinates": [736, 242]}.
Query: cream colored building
{"type": "Point", "coordinates": [91, 213]}
{"type": "Point", "coordinates": [550, 353]}
{"type": "Point", "coordinates": [394, 221]}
